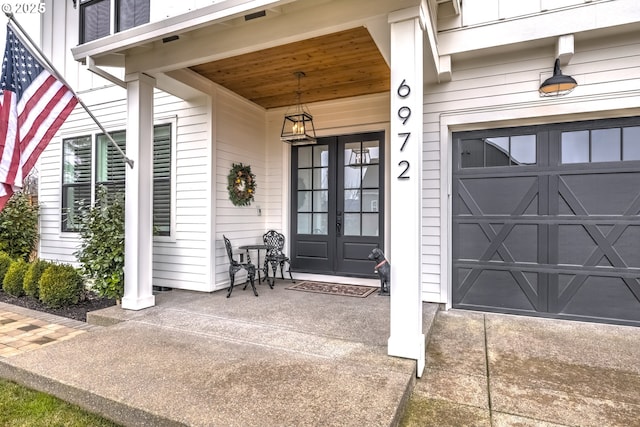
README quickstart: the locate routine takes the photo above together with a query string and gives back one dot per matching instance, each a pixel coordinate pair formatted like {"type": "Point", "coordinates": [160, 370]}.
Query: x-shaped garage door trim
{"type": "Point", "coordinates": [604, 245]}
{"type": "Point", "coordinates": [496, 242]}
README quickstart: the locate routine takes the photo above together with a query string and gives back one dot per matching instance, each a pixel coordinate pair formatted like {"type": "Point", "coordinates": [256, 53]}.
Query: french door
{"type": "Point", "coordinates": [337, 204]}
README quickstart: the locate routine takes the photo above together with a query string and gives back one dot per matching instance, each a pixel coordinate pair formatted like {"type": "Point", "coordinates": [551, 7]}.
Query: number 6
{"type": "Point", "coordinates": [404, 90]}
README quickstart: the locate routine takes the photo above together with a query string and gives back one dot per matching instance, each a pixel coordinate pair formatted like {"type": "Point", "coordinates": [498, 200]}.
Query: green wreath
{"type": "Point", "coordinates": [241, 185]}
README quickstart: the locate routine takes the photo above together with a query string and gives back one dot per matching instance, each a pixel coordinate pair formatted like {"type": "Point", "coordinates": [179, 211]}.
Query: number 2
{"type": "Point", "coordinates": [403, 174]}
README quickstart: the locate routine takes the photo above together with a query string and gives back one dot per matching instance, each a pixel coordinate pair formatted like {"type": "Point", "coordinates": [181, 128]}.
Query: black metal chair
{"type": "Point", "coordinates": [235, 266]}
{"type": "Point", "coordinates": [275, 255]}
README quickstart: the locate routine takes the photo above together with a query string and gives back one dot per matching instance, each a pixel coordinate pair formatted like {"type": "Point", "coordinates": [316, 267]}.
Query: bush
{"type": "Point", "coordinates": [102, 249]}
{"type": "Point", "coordinates": [60, 285]}
{"type": "Point", "coordinates": [12, 281]}
{"type": "Point", "coordinates": [32, 277]}
{"type": "Point", "coordinates": [5, 263]}
{"type": "Point", "coordinates": [19, 227]}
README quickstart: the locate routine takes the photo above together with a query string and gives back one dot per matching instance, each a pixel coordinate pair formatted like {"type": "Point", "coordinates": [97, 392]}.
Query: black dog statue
{"type": "Point", "coordinates": [383, 268]}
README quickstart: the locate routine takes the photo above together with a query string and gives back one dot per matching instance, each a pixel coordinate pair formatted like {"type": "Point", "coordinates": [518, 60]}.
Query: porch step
{"type": "Point", "coordinates": [240, 331]}
{"type": "Point", "coordinates": [253, 332]}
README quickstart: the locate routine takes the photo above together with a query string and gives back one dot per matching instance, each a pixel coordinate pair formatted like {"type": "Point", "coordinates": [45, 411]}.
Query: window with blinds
{"type": "Point", "coordinates": [131, 13]}
{"type": "Point", "coordinates": [162, 179]}
{"type": "Point", "coordinates": [76, 179]}
{"type": "Point", "coordinates": [109, 172]}
{"type": "Point", "coordinates": [109, 162]}
{"type": "Point", "coordinates": [95, 17]}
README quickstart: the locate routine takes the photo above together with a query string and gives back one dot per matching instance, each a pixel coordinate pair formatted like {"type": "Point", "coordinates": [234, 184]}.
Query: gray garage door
{"type": "Point", "coordinates": [546, 220]}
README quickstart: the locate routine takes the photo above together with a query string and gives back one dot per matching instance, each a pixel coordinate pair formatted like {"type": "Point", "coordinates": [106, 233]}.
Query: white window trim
{"type": "Point", "coordinates": [173, 121]}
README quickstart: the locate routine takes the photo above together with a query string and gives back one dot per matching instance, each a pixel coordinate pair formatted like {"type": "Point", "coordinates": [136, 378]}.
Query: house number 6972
{"type": "Point", "coordinates": [404, 113]}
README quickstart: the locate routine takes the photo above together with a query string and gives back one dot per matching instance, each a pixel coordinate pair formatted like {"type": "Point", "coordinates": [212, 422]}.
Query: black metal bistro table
{"type": "Point", "coordinates": [259, 266]}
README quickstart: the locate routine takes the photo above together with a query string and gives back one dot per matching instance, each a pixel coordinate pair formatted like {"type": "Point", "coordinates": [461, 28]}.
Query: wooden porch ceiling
{"type": "Point", "coordinates": [337, 65]}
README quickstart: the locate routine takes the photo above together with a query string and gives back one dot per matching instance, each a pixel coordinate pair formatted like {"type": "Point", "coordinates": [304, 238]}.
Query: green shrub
{"type": "Point", "coordinates": [12, 281]}
{"type": "Point", "coordinates": [60, 285]}
{"type": "Point", "coordinates": [19, 227]}
{"type": "Point", "coordinates": [5, 262]}
{"type": "Point", "coordinates": [32, 277]}
{"type": "Point", "coordinates": [101, 252]}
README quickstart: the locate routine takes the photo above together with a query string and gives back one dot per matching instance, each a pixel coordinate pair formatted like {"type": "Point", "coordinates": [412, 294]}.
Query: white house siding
{"type": "Point", "coordinates": [500, 90]}
{"type": "Point", "coordinates": [182, 260]}
{"type": "Point", "coordinates": [239, 134]}
{"type": "Point", "coordinates": [482, 11]}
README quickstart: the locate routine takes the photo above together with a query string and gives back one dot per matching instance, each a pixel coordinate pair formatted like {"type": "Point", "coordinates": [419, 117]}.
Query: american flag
{"type": "Point", "coordinates": [33, 106]}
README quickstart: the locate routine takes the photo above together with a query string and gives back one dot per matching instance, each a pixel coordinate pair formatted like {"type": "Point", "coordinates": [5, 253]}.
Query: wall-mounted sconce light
{"type": "Point", "coordinates": [297, 128]}
{"type": "Point", "coordinates": [558, 84]}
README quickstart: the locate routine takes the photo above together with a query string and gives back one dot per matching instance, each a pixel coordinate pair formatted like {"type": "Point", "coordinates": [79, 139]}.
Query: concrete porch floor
{"type": "Point", "coordinates": [285, 358]}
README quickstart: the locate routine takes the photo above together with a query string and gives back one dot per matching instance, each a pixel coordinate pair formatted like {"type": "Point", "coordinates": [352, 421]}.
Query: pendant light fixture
{"type": "Point", "coordinates": [297, 128]}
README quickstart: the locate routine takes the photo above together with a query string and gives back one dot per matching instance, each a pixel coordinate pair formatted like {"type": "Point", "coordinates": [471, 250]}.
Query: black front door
{"type": "Point", "coordinates": [337, 200]}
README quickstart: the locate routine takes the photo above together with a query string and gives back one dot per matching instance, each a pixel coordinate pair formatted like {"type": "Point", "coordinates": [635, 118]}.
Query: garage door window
{"type": "Point", "coordinates": [631, 143]}
{"type": "Point", "coordinates": [487, 152]}
{"type": "Point", "coordinates": [601, 145]}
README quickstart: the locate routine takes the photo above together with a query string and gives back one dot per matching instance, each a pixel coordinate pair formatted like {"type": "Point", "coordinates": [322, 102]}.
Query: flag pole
{"type": "Point", "coordinates": [59, 77]}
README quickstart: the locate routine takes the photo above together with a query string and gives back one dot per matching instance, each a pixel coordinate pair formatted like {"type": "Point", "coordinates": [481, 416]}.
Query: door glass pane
{"type": "Point", "coordinates": [304, 179]}
{"type": "Point", "coordinates": [605, 145]}
{"type": "Point", "coordinates": [370, 176]}
{"type": "Point", "coordinates": [631, 143]}
{"type": "Point", "coordinates": [320, 155]}
{"type": "Point", "coordinates": [352, 177]}
{"type": "Point", "coordinates": [320, 201]}
{"type": "Point", "coordinates": [471, 153]}
{"type": "Point", "coordinates": [369, 224]}
{"type": "Point", "coordinates": [320, 224]}
{"type": "Point", "coordinates": [355, 155]}
{"type": "Point", "coordinates": [497, 151]}
{"type": "Point", "coordinates": [320, 178]}
{"type": "Point", "coordinates": [523, 150]}
{"type": "Point", "coordinates": [373, 148]}
{"type": "Point", "coordinates": [304, 201]}
{"type": "Point", "coordinates": [352, 224]}
{"type": "Point", "coordinates": [370, 200]}
{"type": "Point", "coordinates": [304, 223]}
{"type": "Point", "coordinates": [304, 157]}
{"type": "Point", "coordinates": [352, 200]}
{"type": "Point", "coordinates": [575, 147]}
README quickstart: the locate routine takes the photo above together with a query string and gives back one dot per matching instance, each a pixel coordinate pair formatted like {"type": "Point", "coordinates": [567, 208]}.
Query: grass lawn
{"type": "Point", "coordinates": [22, 407]}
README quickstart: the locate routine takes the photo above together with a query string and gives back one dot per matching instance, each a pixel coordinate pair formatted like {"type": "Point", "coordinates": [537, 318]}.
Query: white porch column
{"type": "Point", "coordinates": [406, 338]}
{"type": "Point", "coordinates": [138, 248]}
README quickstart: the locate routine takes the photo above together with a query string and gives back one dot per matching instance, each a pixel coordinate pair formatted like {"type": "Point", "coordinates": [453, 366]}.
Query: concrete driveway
{"type": "Point", "coordinates": [502, 370]}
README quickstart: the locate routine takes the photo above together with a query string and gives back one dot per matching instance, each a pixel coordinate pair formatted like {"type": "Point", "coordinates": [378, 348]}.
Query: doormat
{"type": "Point", "coordinates": [334, 289]}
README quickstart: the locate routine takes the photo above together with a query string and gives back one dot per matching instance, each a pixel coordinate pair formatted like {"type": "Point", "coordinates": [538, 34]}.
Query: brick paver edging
{"type": "Point", "coordinates": [22, 329]}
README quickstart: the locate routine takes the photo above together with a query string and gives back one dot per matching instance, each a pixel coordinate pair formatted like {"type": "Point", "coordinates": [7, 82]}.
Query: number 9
{"type": "Point", "coordinates": [404, 113]}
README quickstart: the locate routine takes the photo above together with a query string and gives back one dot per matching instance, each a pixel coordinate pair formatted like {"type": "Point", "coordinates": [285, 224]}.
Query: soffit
{"type": "Point", "coordinates": [337, 65]}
